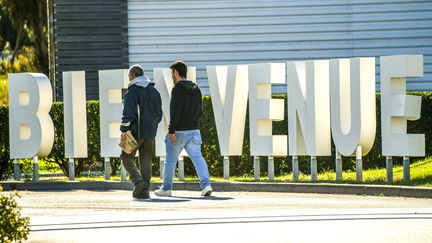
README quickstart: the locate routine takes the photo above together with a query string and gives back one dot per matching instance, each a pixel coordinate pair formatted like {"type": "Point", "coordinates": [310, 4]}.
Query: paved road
{"type": "Point", "coordinates": [112, 216]}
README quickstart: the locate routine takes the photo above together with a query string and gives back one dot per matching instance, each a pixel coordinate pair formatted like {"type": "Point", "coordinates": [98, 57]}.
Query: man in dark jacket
{"type": "Point", "coordinates": [142, 113]}
{"type": "Point", "coordinates": [184, 133]}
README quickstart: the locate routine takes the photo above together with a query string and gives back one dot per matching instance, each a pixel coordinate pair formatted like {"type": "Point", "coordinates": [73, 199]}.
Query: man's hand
{"type": "Point", "coordinates": [172, 137]}
{"type": "Point", "coordinates": [123, 136]}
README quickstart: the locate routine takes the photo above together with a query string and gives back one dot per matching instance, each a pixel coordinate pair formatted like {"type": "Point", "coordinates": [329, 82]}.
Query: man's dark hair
{"type": "Point", "coordinates": [136, 70]}
{"type": "Point", "coordinates": [181, 68]}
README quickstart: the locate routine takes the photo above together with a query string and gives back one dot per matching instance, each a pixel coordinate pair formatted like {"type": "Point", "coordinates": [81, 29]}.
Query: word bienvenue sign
{"type": "Point", "coordinates": [326, 98]}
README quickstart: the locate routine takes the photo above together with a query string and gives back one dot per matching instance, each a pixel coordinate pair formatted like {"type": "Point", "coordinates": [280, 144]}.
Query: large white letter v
{"type": "Point", "coordinates": [229, 92]}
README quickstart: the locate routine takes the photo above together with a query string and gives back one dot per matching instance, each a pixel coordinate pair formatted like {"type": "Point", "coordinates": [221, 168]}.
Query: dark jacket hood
{"type": "Point", "coordinates": [187, 85]}
{"type": "Point", "coordinates": [141, 81]}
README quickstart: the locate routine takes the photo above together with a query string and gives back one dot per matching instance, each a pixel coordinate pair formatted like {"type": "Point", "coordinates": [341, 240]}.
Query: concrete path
{"type": "Point", "coordinates": [113, 216]}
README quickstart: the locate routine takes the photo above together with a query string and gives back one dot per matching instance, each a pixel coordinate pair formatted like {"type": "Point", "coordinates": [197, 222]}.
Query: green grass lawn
{"type": "Point", "coordinates": [421, 175]}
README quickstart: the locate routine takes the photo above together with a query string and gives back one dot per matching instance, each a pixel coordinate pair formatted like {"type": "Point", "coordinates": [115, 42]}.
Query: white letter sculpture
{"type": "Point", "coordinates": [263, 110]}
{"type": "Point", "coordinates": [75, 114]}
{"type": "Point", "coordinates": [353, 111]}
{"type": "Point", "coordinates": [229, 92]}
{"type": "Point", "coordinates": [397, 107]}
{"type": "Point", "coordinates": [111, 83]}
{"type": "Point", "coordinates": [31, 129]}
{"type": "Point", "coordinates": [309, 108]}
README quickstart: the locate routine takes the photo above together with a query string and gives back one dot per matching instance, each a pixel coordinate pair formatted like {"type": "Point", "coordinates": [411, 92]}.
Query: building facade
{"type": "Point", "coordinates": [93, 35]}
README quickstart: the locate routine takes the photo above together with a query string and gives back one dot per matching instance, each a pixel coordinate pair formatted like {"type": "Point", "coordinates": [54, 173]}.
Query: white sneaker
{"type": "Point", "coordinates": [162, 193]}
{"type": "Point", "coordinates": [207, 191]}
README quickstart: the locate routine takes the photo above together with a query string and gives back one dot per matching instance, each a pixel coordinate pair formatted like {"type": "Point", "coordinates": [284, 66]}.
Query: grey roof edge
{"type": "Point", "coordinates": [322, 188]}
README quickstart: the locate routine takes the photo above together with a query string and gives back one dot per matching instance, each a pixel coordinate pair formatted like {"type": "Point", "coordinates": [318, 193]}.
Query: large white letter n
{"type": "Point", "coordinates": [31, 130]}
{"type": "Point", "coordinates": [309, 108]}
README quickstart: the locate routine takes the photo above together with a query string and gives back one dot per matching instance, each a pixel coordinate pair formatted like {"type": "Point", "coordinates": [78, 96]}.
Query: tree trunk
{"type": "Point", "coordinates": [20, 31]}
{"type": "Point", "coordinates": [41, 39]}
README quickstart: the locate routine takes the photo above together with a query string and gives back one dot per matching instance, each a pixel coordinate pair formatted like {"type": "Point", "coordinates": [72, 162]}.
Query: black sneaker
{"type": "Point", "coordinates": [140, 190]}
{"type": "Point", "coordinates": [144, 195]}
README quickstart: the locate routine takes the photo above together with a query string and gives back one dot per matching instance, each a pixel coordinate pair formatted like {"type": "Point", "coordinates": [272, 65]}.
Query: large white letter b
{"type": "Point", "coordinates": [31, 130]}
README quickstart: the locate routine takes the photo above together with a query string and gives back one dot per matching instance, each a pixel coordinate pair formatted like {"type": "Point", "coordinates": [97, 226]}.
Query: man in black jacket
{"type": "Point", "coordinates": [184, 133]}
{"type": "Point", "coordinates": [142, 113]}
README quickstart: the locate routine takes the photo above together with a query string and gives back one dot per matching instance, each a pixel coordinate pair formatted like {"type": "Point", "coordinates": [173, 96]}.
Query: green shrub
{"type": "Point", "coordinates": [13, 226]}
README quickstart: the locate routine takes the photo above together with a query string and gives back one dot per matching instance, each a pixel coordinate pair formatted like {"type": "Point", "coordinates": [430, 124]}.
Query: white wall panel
{"type": "Point", "coordinates": [224, 32]}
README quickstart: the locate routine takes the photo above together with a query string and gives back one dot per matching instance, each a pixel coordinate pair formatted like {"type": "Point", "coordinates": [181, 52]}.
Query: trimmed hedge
{"type": "Point", "coordinates": [326, 163]}
{"type": "Point", "coordinates": [239, 165]}
{"type": "Point", "coordinates": [6, 165]}
{"type": "Point", "coordinates": [57, 154]}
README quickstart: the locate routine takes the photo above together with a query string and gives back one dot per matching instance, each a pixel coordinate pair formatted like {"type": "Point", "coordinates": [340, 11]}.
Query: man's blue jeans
{"type": "Point", "coordinates": [191, 142]}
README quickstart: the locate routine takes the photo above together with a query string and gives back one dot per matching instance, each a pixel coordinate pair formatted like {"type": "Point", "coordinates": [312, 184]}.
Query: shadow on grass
{"type": "Point", "coordinates": [413, 182]}
{"type": "Point", "coordinates": [420, 181]}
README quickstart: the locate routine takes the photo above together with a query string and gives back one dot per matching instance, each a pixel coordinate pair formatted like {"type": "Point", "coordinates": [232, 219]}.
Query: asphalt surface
{"type": "Point", "coordinates": [113, 216]}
